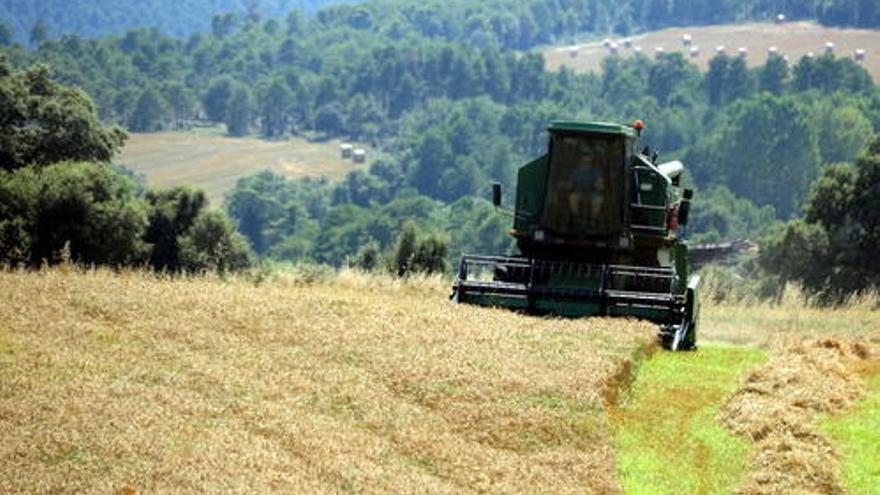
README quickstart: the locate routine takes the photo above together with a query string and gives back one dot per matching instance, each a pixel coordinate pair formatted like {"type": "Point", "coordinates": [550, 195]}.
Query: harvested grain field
{"type": "Point", "coordinates": [215, 162]}
{"type": "Point", "coordinates": [778, 407]}
{"type": "Point", "coordinates": [137, 383]}
{"type": "Point", "coordinates": [794, 39]}
{"type": "Point", "coordinates": [132, 382]}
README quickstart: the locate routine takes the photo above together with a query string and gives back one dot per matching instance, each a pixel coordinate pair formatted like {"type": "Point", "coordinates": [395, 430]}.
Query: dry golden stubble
{"type": "Point", "coordinates": [358, 383]}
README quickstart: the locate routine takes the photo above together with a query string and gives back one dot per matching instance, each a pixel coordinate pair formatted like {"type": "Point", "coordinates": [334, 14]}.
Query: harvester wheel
{"type": "Point", "coordinates": [676, 338]}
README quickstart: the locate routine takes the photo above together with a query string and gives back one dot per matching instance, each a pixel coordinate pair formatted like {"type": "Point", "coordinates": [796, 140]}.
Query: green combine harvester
{"type": "Point", "coordinates": [596, 223]}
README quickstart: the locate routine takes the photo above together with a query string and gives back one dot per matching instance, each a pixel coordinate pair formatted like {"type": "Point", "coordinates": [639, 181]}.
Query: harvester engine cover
{"type": "Point", "coordinates": [596, 225]}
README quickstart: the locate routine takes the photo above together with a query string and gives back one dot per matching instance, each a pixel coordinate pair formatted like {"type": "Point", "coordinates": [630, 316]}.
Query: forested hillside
{"type": "Point", "coordinates": [517, 24]}
{"type": "Point", "coordinates": [32, 21]}
{"type": "Point", "coordinates": [446, 90]}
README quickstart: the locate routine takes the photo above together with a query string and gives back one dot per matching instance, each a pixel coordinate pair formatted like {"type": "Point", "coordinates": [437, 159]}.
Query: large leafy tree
{"type": "Point", "coordinates": [767, 152]}
{"type": "Point", "coordinates": [148, 112]}
{"type": "Point", "coordinates": [832, 251]}
{"type": "Point", "coordinates": [240, 111]}
{"type": "Point", "coordinates": [87, 208]}
{"type": "Point", "coordinates": [275, 102]}
{"type": "Point", "coordinates": [773, 76]}
{"type": "Point", "coordinates": [728, 80]}
{"type": "Point", "coordinates": [213, 244]}
{"type": "Point", "coordinates": [181, 101]}
{"type": "Point", "coordinates": [43, 122]}
{"type": "Point", "coordinates": [172, 214]}
{"type": "Point", "coordinates": [217, 98]}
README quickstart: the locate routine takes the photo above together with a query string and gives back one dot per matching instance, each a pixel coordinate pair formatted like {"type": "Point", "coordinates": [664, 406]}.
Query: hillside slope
{"type": "Point", "coordinates": [794, 39]}
{"type": "Point", "coordinates": [117, 382]}
{"type": "Point", "coordinates": [102, 17]}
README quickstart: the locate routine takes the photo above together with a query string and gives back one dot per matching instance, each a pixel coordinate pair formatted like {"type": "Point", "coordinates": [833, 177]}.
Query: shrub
{"type": "Point", "coordinates": [84, 204]}
{"type": "Point", "coordinates": [212, 243]}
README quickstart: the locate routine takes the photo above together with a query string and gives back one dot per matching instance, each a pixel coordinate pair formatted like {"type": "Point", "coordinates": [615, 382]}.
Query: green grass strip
{"type": "Point", "coordinates": [666, 433]}
{"type": "Point", "coordinates": [856, 435]}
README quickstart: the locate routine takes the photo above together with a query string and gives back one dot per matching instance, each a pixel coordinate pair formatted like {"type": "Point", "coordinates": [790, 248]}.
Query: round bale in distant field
{"type": "Point", "coordinates": [359, 155]}
{"type": "Point", "coordinates": [694, 51]}
{"type": "Point", "coordinates": [860, 55]}
{"type": "Point", "coordinates": [810, 55]}
{"type": "Point", "coordinates": [773, 51]}
{"type": "Point", "coordinates": [345, 150]}
{"type": "Point", "coordinates": [743, 51]}
{"type": "Point", "coordinates": [613, 48]}
{"type": "Point", "coordinates": [659, 51]}
{"type": "Point", "coordinates": [687, 40]}
{"type": "Point", "coordinates": [606, 42]}
{"type": "Point", "coordinates": [720, 49]}
{"type": "Point", "coordinates": [637, 49]}
{"type": "Point", "coordinates": [780, 18]}
{"type": "Point", "coordinates": [829, 47]}
{"type": "Point", "coordinates": [627, 43]}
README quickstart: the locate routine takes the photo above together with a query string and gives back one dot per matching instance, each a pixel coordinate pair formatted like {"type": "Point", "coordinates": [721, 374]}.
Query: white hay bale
{"type": "Point", "coordinates": [359, 155]}
{"type": "Point", "coordinates": [345, 150]}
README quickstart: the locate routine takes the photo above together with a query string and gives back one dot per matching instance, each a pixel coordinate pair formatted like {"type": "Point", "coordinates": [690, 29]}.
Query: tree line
{"type": "Point", "coordinates": [509, 24]}
{"type": "Point", "coordinates": [34, 22]}
{"type": "Point", "coordinates": [421, 98]}
{"type": "Point", "coordinates": [832, 250]}
{"type": "Point", "coordinates": [453, 113]}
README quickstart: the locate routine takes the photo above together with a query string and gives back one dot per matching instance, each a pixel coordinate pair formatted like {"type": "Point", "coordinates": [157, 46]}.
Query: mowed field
{"type": "Point", "coordinates": [215, 162]}
{"type": "Point", "coordinates": [138, 383]}
{"type": "Point", "coordinates": [794, 39]}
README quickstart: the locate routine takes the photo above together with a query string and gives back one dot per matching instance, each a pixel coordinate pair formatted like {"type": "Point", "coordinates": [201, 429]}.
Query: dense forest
{"type": "Point", "coordinates": [517, 24]}
{"type": "Point", "coordinates": [451, 93]}
{"type": "Point", "coordinates": [32, 21]}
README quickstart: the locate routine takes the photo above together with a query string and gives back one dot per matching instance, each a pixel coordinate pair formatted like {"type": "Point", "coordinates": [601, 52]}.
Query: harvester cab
{"type": "Point", "coordinates": [596, 226]}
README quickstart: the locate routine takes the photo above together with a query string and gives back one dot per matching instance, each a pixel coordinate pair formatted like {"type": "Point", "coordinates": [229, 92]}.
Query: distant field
{"type": "Point", "coordinates": [215, 162]}
{"type": "Point", "coordinates": [794, 39]}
